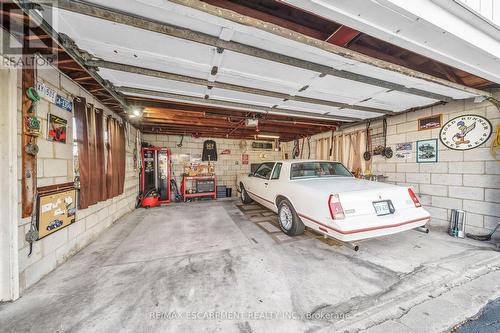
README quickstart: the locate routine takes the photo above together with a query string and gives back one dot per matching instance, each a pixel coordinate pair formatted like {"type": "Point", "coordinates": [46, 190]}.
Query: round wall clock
{"type": "Point", "coordinates": [465, 132]}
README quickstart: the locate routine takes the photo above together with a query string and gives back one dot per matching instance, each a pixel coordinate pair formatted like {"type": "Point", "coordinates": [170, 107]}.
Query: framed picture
{"type": "Point", "coordinates": [430, 122]}
{"type": "Point", "coordinates": [427, 151]}
{"type": "Point", "coordinates": [57, 129]}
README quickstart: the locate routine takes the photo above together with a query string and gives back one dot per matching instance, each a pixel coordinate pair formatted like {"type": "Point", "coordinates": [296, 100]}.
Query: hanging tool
{"type": "Point", "coordinates": [32, 235]}
{"type": "Point", "coordinates": [31, 148]}
{"type": "Point", "coordinates": [308, 147]}
{"type": "Point", "coordinates": [495, 145]}
{"type": "Point", "coordinates": [302, 150]}
{"type": "Point", "coordinates": [331, 146]}
{"type": "Point", "coordinates": [387, 150]}
{"type": "Point", "coordinates": [296, 150]}
{"type": "Point", "coordinates": [367, 154]}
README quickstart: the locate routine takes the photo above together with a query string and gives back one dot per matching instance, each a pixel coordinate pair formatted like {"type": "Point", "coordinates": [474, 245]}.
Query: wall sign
{"type": "Point", "coordinates": [57, 129]}
{"type": "Point", "coordinates": [52, 96]}
{"type": "Point", "coordinates": [465, 132]}
{"type": "Point", "coordinates": [244, 159]}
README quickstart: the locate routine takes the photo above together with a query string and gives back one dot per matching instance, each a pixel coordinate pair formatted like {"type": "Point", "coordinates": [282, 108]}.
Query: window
{"type": "Point", "coordinates": [277, 171]}
{"type": "Point", "coordinates": [318, 169]}
{"type": "Point", "coordinates": [264, 170]}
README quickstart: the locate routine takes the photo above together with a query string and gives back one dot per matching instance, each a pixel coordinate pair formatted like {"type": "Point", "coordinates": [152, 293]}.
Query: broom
{"type": "Point", "coordinates": [483, 237]}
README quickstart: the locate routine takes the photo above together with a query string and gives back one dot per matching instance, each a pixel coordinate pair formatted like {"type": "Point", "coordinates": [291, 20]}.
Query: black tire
{"type": "Point", "coordinates": [296, 227]}
{"type": "Point", "coordinates": [245, 198]}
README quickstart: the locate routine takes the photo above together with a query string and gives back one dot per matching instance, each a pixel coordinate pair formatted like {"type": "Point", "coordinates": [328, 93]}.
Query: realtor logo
{"type": "Point", "coordinates": [24, 42]}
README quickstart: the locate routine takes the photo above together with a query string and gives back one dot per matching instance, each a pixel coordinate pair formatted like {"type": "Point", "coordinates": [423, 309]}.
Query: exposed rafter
{"type": "Point", "coordinates": [67, 46]}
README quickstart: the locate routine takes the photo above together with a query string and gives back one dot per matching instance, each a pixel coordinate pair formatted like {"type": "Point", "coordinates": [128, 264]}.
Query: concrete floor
{"type": "Point", "coordinates": [205, 267]}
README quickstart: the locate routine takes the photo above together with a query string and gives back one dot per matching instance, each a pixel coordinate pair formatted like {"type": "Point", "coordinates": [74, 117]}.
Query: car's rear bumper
{"type": "Point", "coordinates": [357, 228]}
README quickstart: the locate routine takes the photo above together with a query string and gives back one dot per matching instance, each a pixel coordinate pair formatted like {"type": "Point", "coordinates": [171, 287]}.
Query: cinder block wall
{"type": "Point", "coordinates": [55, 166]}
{"type": "Point", "coordinates": [468, 180]}
{"type": "Point", "coordinates": [227, 167]}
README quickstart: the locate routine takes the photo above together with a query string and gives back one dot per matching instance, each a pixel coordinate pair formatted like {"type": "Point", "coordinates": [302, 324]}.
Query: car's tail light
{"type": "Point", "coordinates": [336, 210]}
{"type": "Point", "coordinates": [414, 198]}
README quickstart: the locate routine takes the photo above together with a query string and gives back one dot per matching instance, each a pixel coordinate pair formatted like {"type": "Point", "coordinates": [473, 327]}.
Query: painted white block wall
{"type": "Point", "coordinates": [55, 166]}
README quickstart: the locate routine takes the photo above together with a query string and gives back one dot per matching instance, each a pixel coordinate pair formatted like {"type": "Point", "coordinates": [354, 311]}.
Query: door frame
{"type": "Point", "coordinates": [9, 256]}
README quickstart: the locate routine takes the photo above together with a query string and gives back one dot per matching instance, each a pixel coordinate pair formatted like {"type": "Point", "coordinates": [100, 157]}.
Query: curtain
{"type": "Point", "coordinates": [101, 158]}
{"type": "Point", "coordinates": [99, 180]}
{"type": "Point", "coordinates": [115, 175]}
{"type": "Point", "coordinates": [323, 149]}
{"type": "Point", "coordinates": [90, 139]}
{"type": "Point", "coordinates": [349, 148]}
{"type": "Point", "coordinates": [81, 123]}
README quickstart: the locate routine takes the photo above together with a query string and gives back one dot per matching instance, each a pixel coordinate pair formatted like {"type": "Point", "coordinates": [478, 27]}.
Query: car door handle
{"type": "Point", "coordinates": [266, 183]}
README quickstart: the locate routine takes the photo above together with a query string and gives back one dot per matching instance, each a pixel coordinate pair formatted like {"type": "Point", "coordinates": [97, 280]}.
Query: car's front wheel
{"type": "Point", "coordinates": [288, 219]}
{"type": "Point", "coordinates": [245, 198]}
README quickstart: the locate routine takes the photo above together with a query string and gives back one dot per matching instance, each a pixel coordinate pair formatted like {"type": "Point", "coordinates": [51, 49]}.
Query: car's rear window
{"type": "Point", "coordinates": [318, 169]}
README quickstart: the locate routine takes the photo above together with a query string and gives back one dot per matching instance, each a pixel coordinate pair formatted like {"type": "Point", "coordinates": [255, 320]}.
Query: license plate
{"type": "Point", "coordinates": [384, 207]}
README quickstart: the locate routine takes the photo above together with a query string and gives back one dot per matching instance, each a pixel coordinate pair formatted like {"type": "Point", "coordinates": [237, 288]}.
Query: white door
{"type": "Point", "coordinates": [260, 182]}
{"type": "Point", "coordinates": [271, 189]}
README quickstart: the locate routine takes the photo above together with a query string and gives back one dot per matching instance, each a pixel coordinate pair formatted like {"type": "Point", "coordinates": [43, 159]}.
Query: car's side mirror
{"type": "Point", "coordinates": [250, 175]}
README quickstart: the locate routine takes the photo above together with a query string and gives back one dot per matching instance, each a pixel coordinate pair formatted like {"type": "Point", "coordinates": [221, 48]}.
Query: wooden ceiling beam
{"type": "Point", "coordinates": [181, 116]}
{"type": "Point", "coordinates": [247, 11]}
{"type": "Point", "coordinates": [216, 133]}
{"type": "Point", "coordinates": [343, 36]}
{"type": "Point", "coordinates": [227, 126]}
{"type": "Point", "coordinates": [166, 107]}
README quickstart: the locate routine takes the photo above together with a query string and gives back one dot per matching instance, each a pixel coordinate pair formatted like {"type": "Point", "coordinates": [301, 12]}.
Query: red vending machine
{"type": "Point", "coordinates": [155, 176]}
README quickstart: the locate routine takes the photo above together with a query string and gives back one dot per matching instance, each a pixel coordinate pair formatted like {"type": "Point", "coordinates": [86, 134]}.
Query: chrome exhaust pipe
{"type": "Point", "coordinates": [425, 230]}
{"type": "Point", "coordinates": [352, 246]}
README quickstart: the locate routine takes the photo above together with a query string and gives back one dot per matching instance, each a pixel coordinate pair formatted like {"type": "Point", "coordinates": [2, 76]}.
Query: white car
{"type": "Point", "coordinates": [324, 196]}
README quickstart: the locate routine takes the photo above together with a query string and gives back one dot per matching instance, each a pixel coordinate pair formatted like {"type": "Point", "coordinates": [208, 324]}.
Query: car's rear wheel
{"type": "Point", "coordinates": [245, 198]}
{"type": "Point", "coordinates": [288, 219]}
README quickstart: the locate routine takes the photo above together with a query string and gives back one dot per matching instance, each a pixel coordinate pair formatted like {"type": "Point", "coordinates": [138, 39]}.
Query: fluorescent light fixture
{"type": "Point", "coordinates": [132, 116]}
{"type": "Point", "coordinates": [136, 113]}
{"type": "Point", "coordinates": [265, 136]}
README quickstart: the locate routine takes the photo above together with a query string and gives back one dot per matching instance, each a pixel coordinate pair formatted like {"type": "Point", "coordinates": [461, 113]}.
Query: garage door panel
{"type": "Point", "coordinates": [267, 70]}
{"type": "Point", "coordinates": [240, 97]}
{"type": "Point", "coordinates": [396, 101]}
{"type": "Point", "coordinates": [98, 36]}
{"type": "Point", "coordinates": [122, 79]}
{"type": "Point", "coordinates": [323, 109]}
